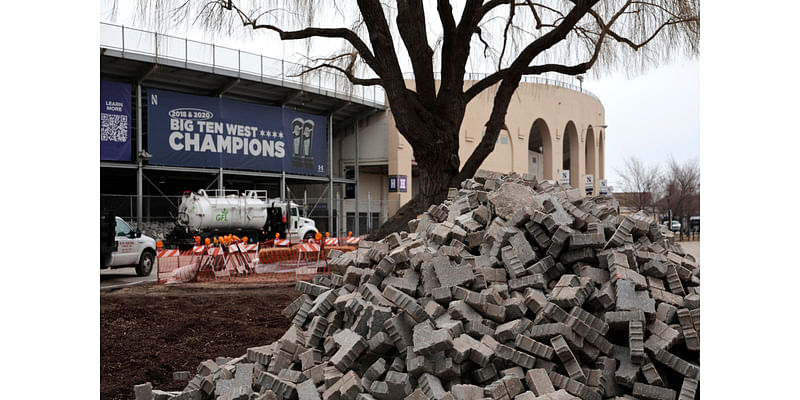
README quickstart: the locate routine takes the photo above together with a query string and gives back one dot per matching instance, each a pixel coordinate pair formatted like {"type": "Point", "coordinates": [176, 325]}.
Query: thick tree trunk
{"type": "Point", "coordinates": [434, 183]}
{"type": "Point", "coordinates": [438, 164]}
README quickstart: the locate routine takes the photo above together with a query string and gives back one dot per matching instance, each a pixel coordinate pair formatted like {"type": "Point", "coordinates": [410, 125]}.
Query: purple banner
{"type": "Point", "coordinates": [115, 121]}
{"type": "Point", "coordinates": [200, 131]}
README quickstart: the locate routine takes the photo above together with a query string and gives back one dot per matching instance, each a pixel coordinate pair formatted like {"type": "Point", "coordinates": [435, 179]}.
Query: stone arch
{"type": "Point", "coordinates": [591, 154]}
{"type": "Point", "coordinates": [540, 151]}
{"type": "Point", "coordinates": [571, 154]}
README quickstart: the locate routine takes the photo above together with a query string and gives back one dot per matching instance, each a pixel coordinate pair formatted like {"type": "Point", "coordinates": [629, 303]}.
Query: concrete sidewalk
{"type": "Point", "coordinates": [692, 248]}
{"type": "Point", "coordinates": [116, 278]}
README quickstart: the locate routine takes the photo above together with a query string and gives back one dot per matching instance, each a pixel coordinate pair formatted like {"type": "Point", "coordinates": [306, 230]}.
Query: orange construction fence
{"type": "Point", "coordinates": [245, 263]}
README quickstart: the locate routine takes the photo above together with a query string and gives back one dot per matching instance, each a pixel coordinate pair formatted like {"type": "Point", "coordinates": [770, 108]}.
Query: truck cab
{"type": "Point", "coordinates": [300, 228]}
{"type": "Point", "coordinates": [132, 250]}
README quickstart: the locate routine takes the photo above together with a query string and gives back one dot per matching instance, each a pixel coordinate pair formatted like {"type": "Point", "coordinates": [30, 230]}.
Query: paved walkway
{"type": "Point", "coordinates": [692, 248]}
{"type": "Point", "coordinates": [116, 278]}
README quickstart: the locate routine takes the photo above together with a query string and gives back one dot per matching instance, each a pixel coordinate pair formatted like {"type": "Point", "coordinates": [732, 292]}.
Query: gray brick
{"type": "Point", "coordinates": [467, 392]}
{"type": "Point", "coordinates": [406, 302]}
{"type": "Point", "coordinates": [509, 330]}
{"type": "Point", "coordinates": [307, 390]}
{"type": "Point", "coordinates": [636, 341]}
{"type": "Point", "coordinates": [399, 329]}
{"type": "Point", "coordinates": [650, 392]}
{"type": "Point", "coordinates": [567, 358]}
{"type": "Point", "coordinates": [661, 336]}
{"type": "Point", "coordinates": [143, 391]}
{"type": "Point", "coordinates": [627, 371]}
{"type": "Point", "coordinates": [574, 387]}
{"type": "Point", "coordinates": [650, 373]}
{"type": "Point", "coordinates": [532, 346]}
{"type": "Point", "coordinates": [428, 341]}
{"type": "Point", "coordinates": [507, 353]}
{"type": "Point", "coordinates": [677, 364]}
{"type": "Point", "coordinates": [539, 382]}
{"type": "Point", "coordinates": [688, 389]}
{"type": "Point", "coordinates": [630, 299]}
{"type": "Point", "coordinates": [351, 346]}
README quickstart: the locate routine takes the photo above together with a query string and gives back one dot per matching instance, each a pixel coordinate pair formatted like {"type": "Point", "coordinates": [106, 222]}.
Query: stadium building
{"type": "Point", "coordinates": [178, 115]}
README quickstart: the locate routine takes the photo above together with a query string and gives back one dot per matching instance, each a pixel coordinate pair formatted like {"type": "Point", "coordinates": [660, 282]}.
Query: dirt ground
{"type": "Point", "coordinates": [148, 332]}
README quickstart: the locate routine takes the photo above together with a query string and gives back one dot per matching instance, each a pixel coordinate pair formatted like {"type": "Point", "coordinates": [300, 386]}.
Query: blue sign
{"type": "Point", "coordinates": [392, 183]}
{"type": "Point", "coordinates": [115, 121]}
{"type": "Point", "coordinates": [402, 183]}
{"type": "Point", "coordinates": [198, 131]}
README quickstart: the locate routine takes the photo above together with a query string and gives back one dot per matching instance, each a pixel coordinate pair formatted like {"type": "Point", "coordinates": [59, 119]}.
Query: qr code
{"type": "Point", "coordinates": [113, 127]}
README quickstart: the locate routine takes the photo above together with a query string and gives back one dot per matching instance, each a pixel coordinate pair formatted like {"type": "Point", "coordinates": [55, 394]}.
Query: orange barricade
{"type": "Point", "coordinates": [239, 262]}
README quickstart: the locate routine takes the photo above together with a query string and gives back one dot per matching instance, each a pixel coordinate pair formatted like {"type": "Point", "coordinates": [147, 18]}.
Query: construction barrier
{"type": "Point", "coordinates": [240, 262]}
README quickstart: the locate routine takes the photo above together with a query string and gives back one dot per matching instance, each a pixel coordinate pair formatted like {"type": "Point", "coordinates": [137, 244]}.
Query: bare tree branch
{"type": "Point", "coordinates": [641, 183]}
{"type": "Point", "coordinates": [342, 33]}
{"type": "Point", "coordinates": [531, 6]}
{"type": "Point", "coordinates": [510, 21]}
{"type": "Point", "coordinates": [510, 83]}
{"type": "Point", "coordinates": [410, 23]}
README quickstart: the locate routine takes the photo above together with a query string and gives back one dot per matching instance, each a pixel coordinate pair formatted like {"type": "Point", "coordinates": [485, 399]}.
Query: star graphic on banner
{"type": "Point", "coordinates": [262, 132]}
{"type": "Point", "coordinates": [280, 134]}
{"type": "Point", "coordinates": [268, 133]}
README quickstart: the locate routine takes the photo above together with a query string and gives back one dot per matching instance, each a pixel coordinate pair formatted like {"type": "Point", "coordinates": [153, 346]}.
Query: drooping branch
{"type": "Point", "coordinates": [511, 9]}
{"type": "Point", "coordinates": [637, 46]}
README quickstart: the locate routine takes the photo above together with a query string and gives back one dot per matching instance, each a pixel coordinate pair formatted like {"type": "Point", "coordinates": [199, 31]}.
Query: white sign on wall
{"type": "Point", "coordinates": [565, 177]}
{"type": "Point", "coordinates": [603, 186]}
{"type": "Point", "coordinates": [589, 183]}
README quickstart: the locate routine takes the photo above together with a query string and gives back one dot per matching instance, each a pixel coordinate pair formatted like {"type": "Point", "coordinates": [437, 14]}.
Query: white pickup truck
{"type": "Point", "coordinates": [131, 249]}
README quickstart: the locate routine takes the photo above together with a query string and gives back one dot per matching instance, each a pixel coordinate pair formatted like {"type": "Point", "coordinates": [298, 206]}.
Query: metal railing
{"type": "Point", "coordinates": [166, 47]}
{"type": "Point", "coordinates": [476, 76]}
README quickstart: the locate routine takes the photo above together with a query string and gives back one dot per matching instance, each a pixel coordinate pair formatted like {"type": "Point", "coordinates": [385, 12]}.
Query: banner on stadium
{"type": "Point", "coordinates": [115, 121]}
{"type": "Point", "coordinates": [198, 131]}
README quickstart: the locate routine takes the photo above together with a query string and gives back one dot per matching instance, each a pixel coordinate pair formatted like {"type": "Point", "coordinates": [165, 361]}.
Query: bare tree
{"type": "Point", "coordinates": [682, 190]}
{"type": "Point", "coordinates": [509, 38]}
{"type": "Point", "coordinates": [641, 182]}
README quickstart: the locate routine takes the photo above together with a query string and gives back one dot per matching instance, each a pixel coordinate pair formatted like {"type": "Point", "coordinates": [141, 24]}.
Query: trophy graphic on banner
{"type": "Point", "coordinates": [302, 140]}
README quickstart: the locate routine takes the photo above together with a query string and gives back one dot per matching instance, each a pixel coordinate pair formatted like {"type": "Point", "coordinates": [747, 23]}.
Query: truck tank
{"type": "Point", "coordinates": [226, 210]}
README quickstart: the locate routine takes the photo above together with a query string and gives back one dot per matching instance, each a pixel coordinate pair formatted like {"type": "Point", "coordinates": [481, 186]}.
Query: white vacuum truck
{"type": "Point", "coordinates": [251, 214]}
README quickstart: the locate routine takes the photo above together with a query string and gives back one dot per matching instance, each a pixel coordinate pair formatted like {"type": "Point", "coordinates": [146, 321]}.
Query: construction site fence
{"type": "Point", "coordinates": [257, 265]}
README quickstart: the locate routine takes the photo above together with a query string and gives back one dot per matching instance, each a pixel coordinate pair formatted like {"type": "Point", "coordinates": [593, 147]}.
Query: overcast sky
{"type": "Point", "coordinates": [652, 116]}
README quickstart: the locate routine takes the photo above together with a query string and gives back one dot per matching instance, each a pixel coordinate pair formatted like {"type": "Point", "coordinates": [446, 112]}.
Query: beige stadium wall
{"type": "Point", "coordinates": [370, 186]}
{"type": "Point", "coordinates": [560, 108]}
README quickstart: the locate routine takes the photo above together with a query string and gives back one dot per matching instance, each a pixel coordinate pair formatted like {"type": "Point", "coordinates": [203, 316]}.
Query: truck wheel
{"type": "Point", "coordinates": [309, 235]}
{"type": "Point", "coordinates": [145, 264]}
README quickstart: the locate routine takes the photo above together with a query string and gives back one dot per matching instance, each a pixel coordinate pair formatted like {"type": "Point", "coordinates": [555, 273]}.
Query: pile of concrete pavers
{"type": "Point", "coordinates": [509, 289]}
